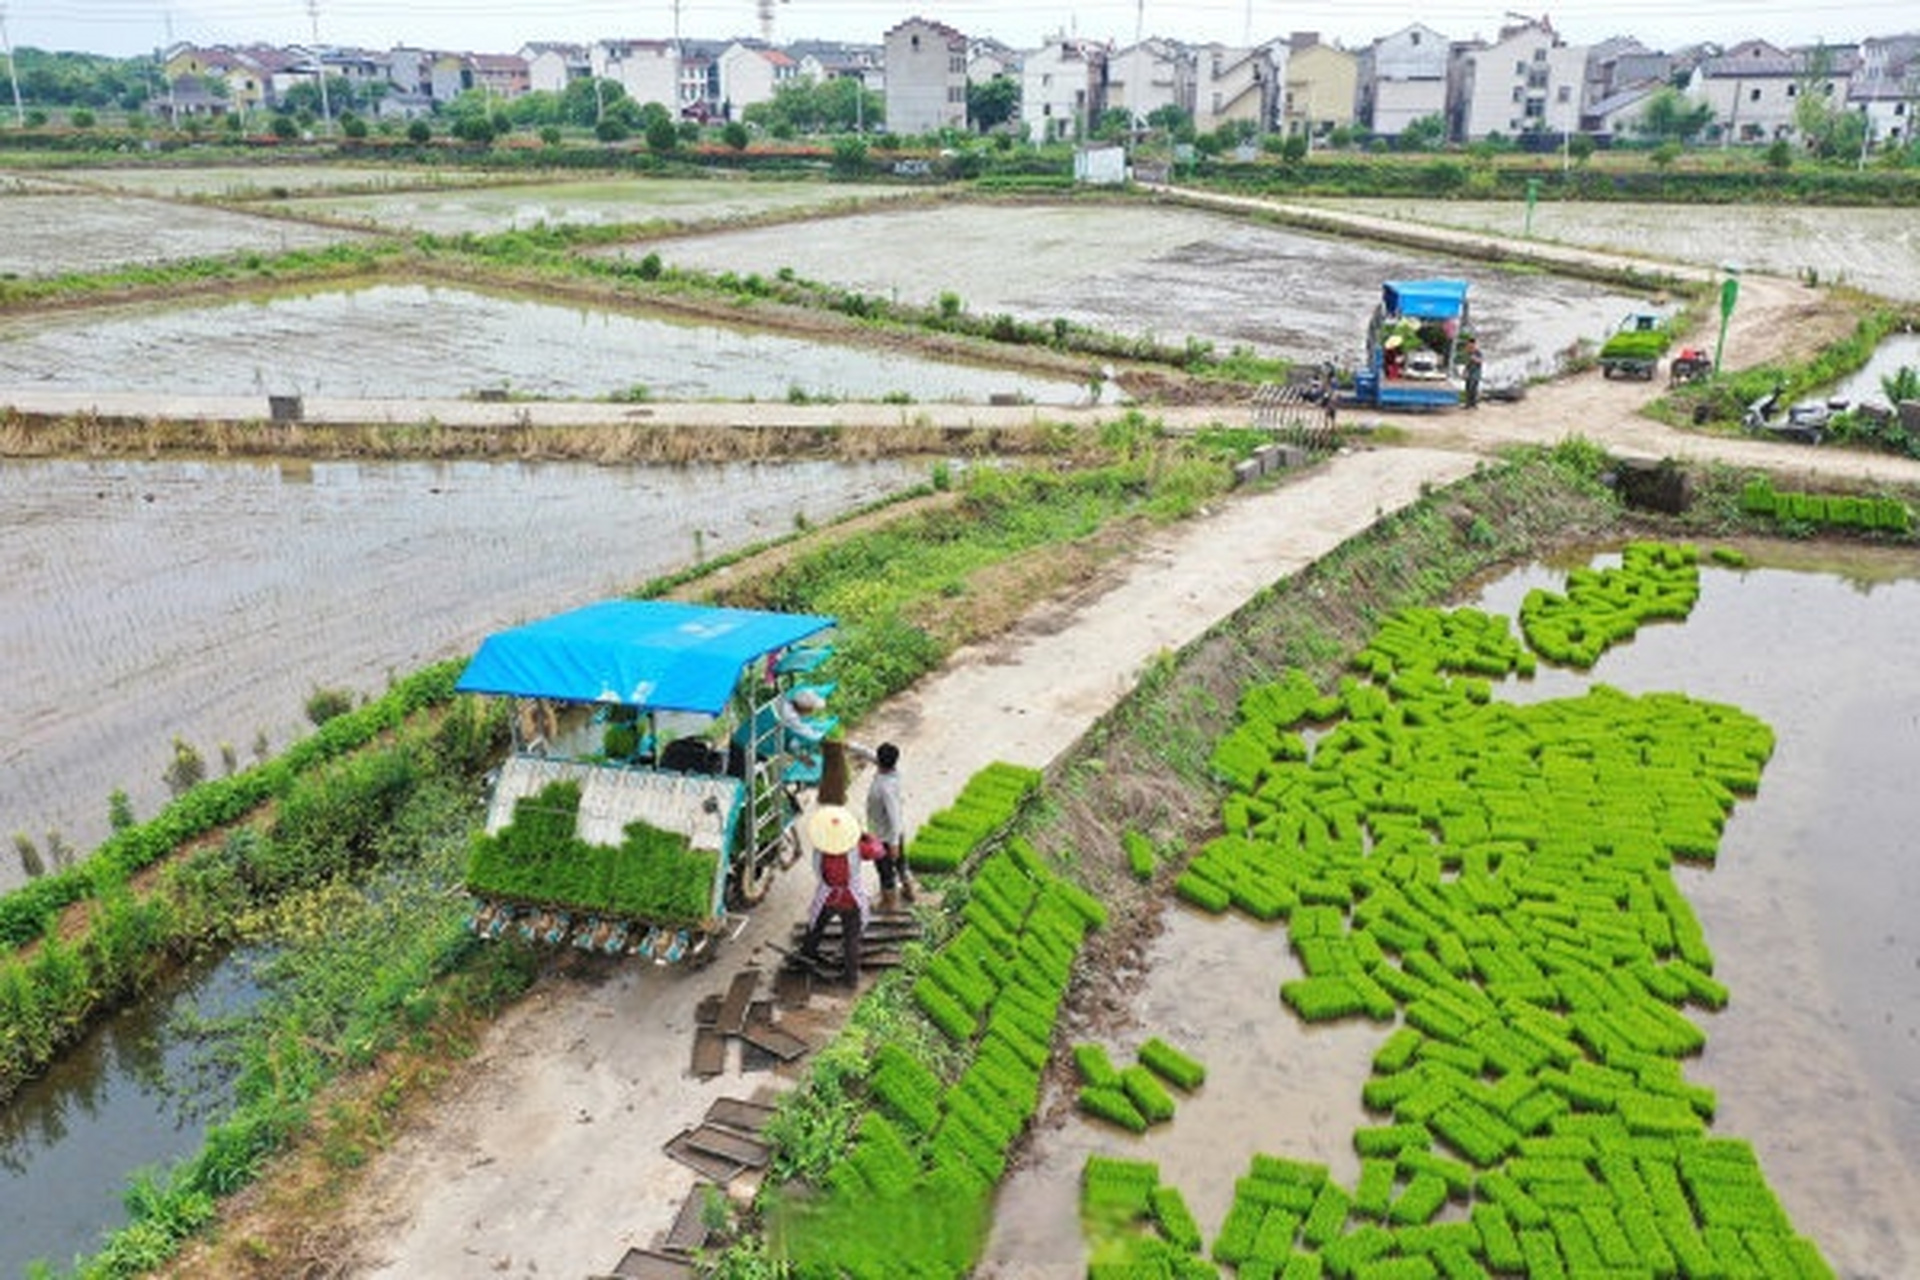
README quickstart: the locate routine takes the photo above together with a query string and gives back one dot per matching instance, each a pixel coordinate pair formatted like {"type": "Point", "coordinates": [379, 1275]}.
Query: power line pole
{"type": "Point", "coordinates": [326, 114]}
{"type": "Point", "coordinates": [13, 71]}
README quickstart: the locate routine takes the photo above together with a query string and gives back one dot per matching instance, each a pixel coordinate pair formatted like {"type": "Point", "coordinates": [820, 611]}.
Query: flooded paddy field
{"type": "Point", "coordinates": [139, 601]}
{"type": "Point", "coordinates": [484, 210]}
{"type": "Point", "coordinates": [1877, 250]}
{"type": "Point", "coordinates": [1152, 271]}
{"type": "Point", "coordinates": [413, 340]}
{"type": "Point", "coordinates": [1812, 911]}
{"type": "Point", "coordinates": [52, 230]}
{"type": "Point", "coordinates": [250, 181]}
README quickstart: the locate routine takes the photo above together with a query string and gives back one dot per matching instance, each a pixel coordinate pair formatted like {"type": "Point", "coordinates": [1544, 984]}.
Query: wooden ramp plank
{"type": "Point", "coordinates": [733, 1009]}
{"type": "Point", "coordinates": [729, 1145]}
{"type": "Point", "coordinates": [646, 1264]}
{"type": "Point", "coordinates": [709, 1052]}
{"type": "Point", "coordinates": [738, 1113]}
{"type": "Point", "coordinates": [777, 1041]}
{"type": "Point", "coordinates": [689, 1230]}
{"type": "Point", "coordinates": [718, 1168]}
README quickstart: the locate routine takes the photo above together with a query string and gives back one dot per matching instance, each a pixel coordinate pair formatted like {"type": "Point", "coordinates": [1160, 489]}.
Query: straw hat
{"type": "Point", "coordinates": [807, 700]}
{"type": "Point", "coordinates": [833, 829]}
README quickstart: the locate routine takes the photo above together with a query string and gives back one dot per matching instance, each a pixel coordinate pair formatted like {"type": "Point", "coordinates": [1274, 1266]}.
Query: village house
{"type": "Point", "coordinates": [1063, 89]}
{"type": "Point", "coordinates": [1529, 81]}
{"type": "Point", "coordinates": [1403, 78]}
{"type": "Point", "coordinates": [926, 77]}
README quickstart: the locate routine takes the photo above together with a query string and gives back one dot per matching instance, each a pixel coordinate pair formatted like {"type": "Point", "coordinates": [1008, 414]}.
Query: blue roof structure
{"type": "Point", "coordinates": [656, 655]}
{"type": "Point", "coordinates": [1426, 299]}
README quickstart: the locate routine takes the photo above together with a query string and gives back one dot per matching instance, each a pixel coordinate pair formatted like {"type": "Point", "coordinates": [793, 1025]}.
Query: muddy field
{"type": "Point", "coordinates": [488, 209]}
{"type": "Point", "coordinates": [52, 230]}
{"type": "Point", "coordinates": [237, 181]}
{"type": "Point", "coordinates": [1873, 249]}
{"type": "Point", "coordinates": [1162, 273]}
{"type": "Point", "coordinates": [412, 341]}
{"type": "Point", "coordinates": [139, 601]}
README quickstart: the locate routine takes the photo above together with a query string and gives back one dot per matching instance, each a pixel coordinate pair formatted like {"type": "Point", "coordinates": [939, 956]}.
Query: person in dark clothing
{"type": "Point", "coordinates": [839, 891]}
{"type": "Point", "coordinates": [1473, 373]}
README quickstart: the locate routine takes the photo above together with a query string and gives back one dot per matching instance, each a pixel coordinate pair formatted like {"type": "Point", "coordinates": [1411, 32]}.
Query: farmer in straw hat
{"type": "Point", "coordinates": [838, 886]}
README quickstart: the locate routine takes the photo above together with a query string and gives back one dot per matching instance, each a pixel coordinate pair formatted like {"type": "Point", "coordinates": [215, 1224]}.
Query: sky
{"type": "Point", "coordinates": [123, 28]}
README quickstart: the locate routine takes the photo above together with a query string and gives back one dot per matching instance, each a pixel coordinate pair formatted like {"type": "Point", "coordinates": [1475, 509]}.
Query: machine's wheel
{"type": "Point", "coordinates": [754, 873]}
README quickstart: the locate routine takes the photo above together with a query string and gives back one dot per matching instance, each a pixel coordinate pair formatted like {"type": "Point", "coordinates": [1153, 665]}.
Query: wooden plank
{"type": "Point", "coordinates": [718, 1168]}
{"type": "Point", "coordinates": [790, 986]}
{"type": "Point", "coordinates": [689, 1230]}
{"type": "Point", "coordinates": [733, 1009]}
{"type": "Point", "coordinates": [709, 1052]}
{"type": "Point", "coordinates": [729, 1145]}
{"type": "Point", "coordinates": [646, 1264]}
{"type": "Point", "coordinates": [739, 1114]}
{"type": "Point", "coordinates": [707, 1012]}
{"type": "Point", "coordinates": [777, 1041]}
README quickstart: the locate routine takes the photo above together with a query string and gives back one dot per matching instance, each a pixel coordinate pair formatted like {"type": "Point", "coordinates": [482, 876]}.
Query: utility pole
{"type": "Point", "coordinates": [326, 113]}
{"type": "Point", "coordinates": [13, 71]}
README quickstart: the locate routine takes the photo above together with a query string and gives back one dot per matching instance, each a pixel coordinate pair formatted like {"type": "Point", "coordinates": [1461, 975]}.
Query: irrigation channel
{"type": "Point", "coordinates": [1809, 911]}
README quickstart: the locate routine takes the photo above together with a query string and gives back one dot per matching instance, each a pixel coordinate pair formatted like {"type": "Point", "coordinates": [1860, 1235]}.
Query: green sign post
{"type": "Point", "coordinates": [1729, 294]}
{"type": "Point", "coordinates": [1533, 193]}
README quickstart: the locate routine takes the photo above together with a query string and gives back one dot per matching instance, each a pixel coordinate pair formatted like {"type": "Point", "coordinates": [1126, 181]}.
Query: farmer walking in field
{"type": "Point", "coordinates": [1473, 373]}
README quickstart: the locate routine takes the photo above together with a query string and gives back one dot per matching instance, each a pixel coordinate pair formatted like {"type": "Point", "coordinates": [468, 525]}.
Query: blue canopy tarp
{"type": "Point", "coordinates": [658, 655]}
{"type": "Point", "coordinates": [1426, 299]}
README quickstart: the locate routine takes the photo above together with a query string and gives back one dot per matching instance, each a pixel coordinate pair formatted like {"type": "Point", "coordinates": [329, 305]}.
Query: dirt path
{"type": "Point", "coordinates": [543, 1156]}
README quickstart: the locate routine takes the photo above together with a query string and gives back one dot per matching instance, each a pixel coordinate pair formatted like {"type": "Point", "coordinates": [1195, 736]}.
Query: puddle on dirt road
{"type": "Point", "coordinates": [139, 601]}
{"type": "Point", "coordinates": [52, 231]}
{"type": "Point", "coordinates": [1813, 913]}
{"type": "Point", "coordinates": [414, 341]}
{"type": "Point", "coordinates": [1873, 249]}
{"type": "Point", "coordinates": [1162, 273]}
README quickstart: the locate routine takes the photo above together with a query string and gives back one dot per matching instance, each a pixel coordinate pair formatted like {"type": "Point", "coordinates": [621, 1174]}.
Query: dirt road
{"type": "Point", "coordinates": [544, 1155]}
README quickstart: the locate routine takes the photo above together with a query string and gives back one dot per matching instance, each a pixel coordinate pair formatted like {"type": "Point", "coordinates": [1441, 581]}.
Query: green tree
{"type": "Point", "coordinates": [735, 135]}
{"type": "Point", "coordinates": [1779, 155]}
{"type": "Point", "coordinates": [1424, 134]}
{"type": "Point", "coordinates": [353, 126]}
{"type": "Point", "coordinates": [1580, 148]}
{"type": "Point", "coordinates": [850, 157]}
{"type": "Point", "coordinates": [1665, 154]}
{"type": "Point", "coordinates": [663, 136]}
{"type": "Point", "coordinates": [1671, 116]}
{"type": "Point", "coordinates": [992, 102]}
{"type": "Point", "coordinates": [477, 129]}
{"type": "Point", "coordinates": [419, 132]}
{"type": "Point", "coordinates": [284, 126]}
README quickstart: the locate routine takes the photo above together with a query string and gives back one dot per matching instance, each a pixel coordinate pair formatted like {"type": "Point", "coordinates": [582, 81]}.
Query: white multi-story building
{"type": "Point", "coordinates": [1238, 86]}
{"type": "Point", "coordinates": [1153, 74]}
{"type": "Point", "coordinates": [926, 64]}
{"type": "Point", "coordinates": [649, 70]}
{"type": "Point", "coordinates": [1403, 78]}
{"type": "Point", "coordinates": [1528, 81]}
{"type": "Point", "coordinates": [1063, 89]}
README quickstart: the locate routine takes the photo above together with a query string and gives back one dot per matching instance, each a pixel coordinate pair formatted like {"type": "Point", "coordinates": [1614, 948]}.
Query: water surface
{"type": "Point", "coordinates": [144, 600]}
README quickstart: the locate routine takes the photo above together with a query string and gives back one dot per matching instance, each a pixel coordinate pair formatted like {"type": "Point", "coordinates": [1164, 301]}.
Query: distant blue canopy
{"type": "Point", "coordinates": [1426, 299]}
{"type": "Point", "coordinates": [658, 655]}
